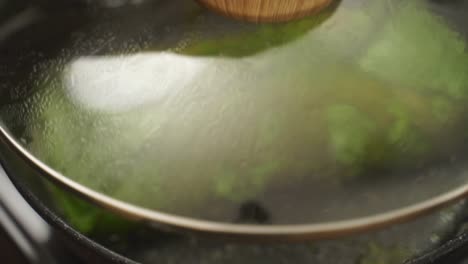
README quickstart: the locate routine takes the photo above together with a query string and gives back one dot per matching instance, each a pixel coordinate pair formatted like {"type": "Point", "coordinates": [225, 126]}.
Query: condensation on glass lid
{"type": "Point", "coordinates": [329, 125]}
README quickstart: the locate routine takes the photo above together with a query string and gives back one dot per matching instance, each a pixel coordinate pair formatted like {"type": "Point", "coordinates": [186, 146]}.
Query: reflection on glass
{"type": "Point", "coordinates": [123, 82]}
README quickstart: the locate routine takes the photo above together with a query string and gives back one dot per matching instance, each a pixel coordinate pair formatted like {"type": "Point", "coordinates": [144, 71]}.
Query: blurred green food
{"type": "Point", "coordinates": [384, 255]}
{"type": "Point", "coordinates": [350, 133]}
{"type": "Point", "coordinates": [418, 48]}
{"type": "Point", "coordinates": [88, 218]}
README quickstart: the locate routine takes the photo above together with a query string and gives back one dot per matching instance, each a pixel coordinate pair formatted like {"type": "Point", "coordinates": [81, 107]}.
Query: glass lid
{"type": "Point", "coordinates": [356, 111]}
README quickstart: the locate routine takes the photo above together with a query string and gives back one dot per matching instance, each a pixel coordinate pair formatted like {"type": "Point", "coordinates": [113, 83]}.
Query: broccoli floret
{"type": "Point", "coordinates": [351, 133]}
{"type": "Point", "coordinates": [404, 136]}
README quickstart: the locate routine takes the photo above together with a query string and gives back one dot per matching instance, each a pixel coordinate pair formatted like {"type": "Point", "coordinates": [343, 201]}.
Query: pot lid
{"type": "Point", "coordinates": [351, 113]}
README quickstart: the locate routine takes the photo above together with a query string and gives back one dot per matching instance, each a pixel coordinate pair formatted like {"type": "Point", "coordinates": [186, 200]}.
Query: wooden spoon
{"type": "Point", "coordinates": [266, 10]}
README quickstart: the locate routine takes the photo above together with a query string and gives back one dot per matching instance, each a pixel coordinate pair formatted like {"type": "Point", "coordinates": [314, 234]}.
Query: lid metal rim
{"type": "Point", "coordinates": [299, 232]}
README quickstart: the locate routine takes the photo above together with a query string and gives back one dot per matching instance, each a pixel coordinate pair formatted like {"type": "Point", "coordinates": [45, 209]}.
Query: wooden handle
{"type": "Point", "coordinates": [266, 10]}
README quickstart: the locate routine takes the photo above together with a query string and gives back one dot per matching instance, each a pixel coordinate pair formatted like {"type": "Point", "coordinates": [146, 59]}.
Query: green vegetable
{"type": "Point", "coordinates": [351, 133]}
{"type": "Point", "coordinates": [334, 27]}
{"type": "Point", "coordinates": [404, 135]}
{"type": "Point", "coordinates": [262, 38]}
{"type": "Point", "coordinates": [418, 48]}
{"type": "Point", "coordinates": [87, 218]}
{"type": "Point", "coordinates": [385, 255]}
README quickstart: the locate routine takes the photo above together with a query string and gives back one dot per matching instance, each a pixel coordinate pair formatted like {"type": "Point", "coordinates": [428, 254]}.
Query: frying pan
{"type": "Point", "coordinates": [163, 113]}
